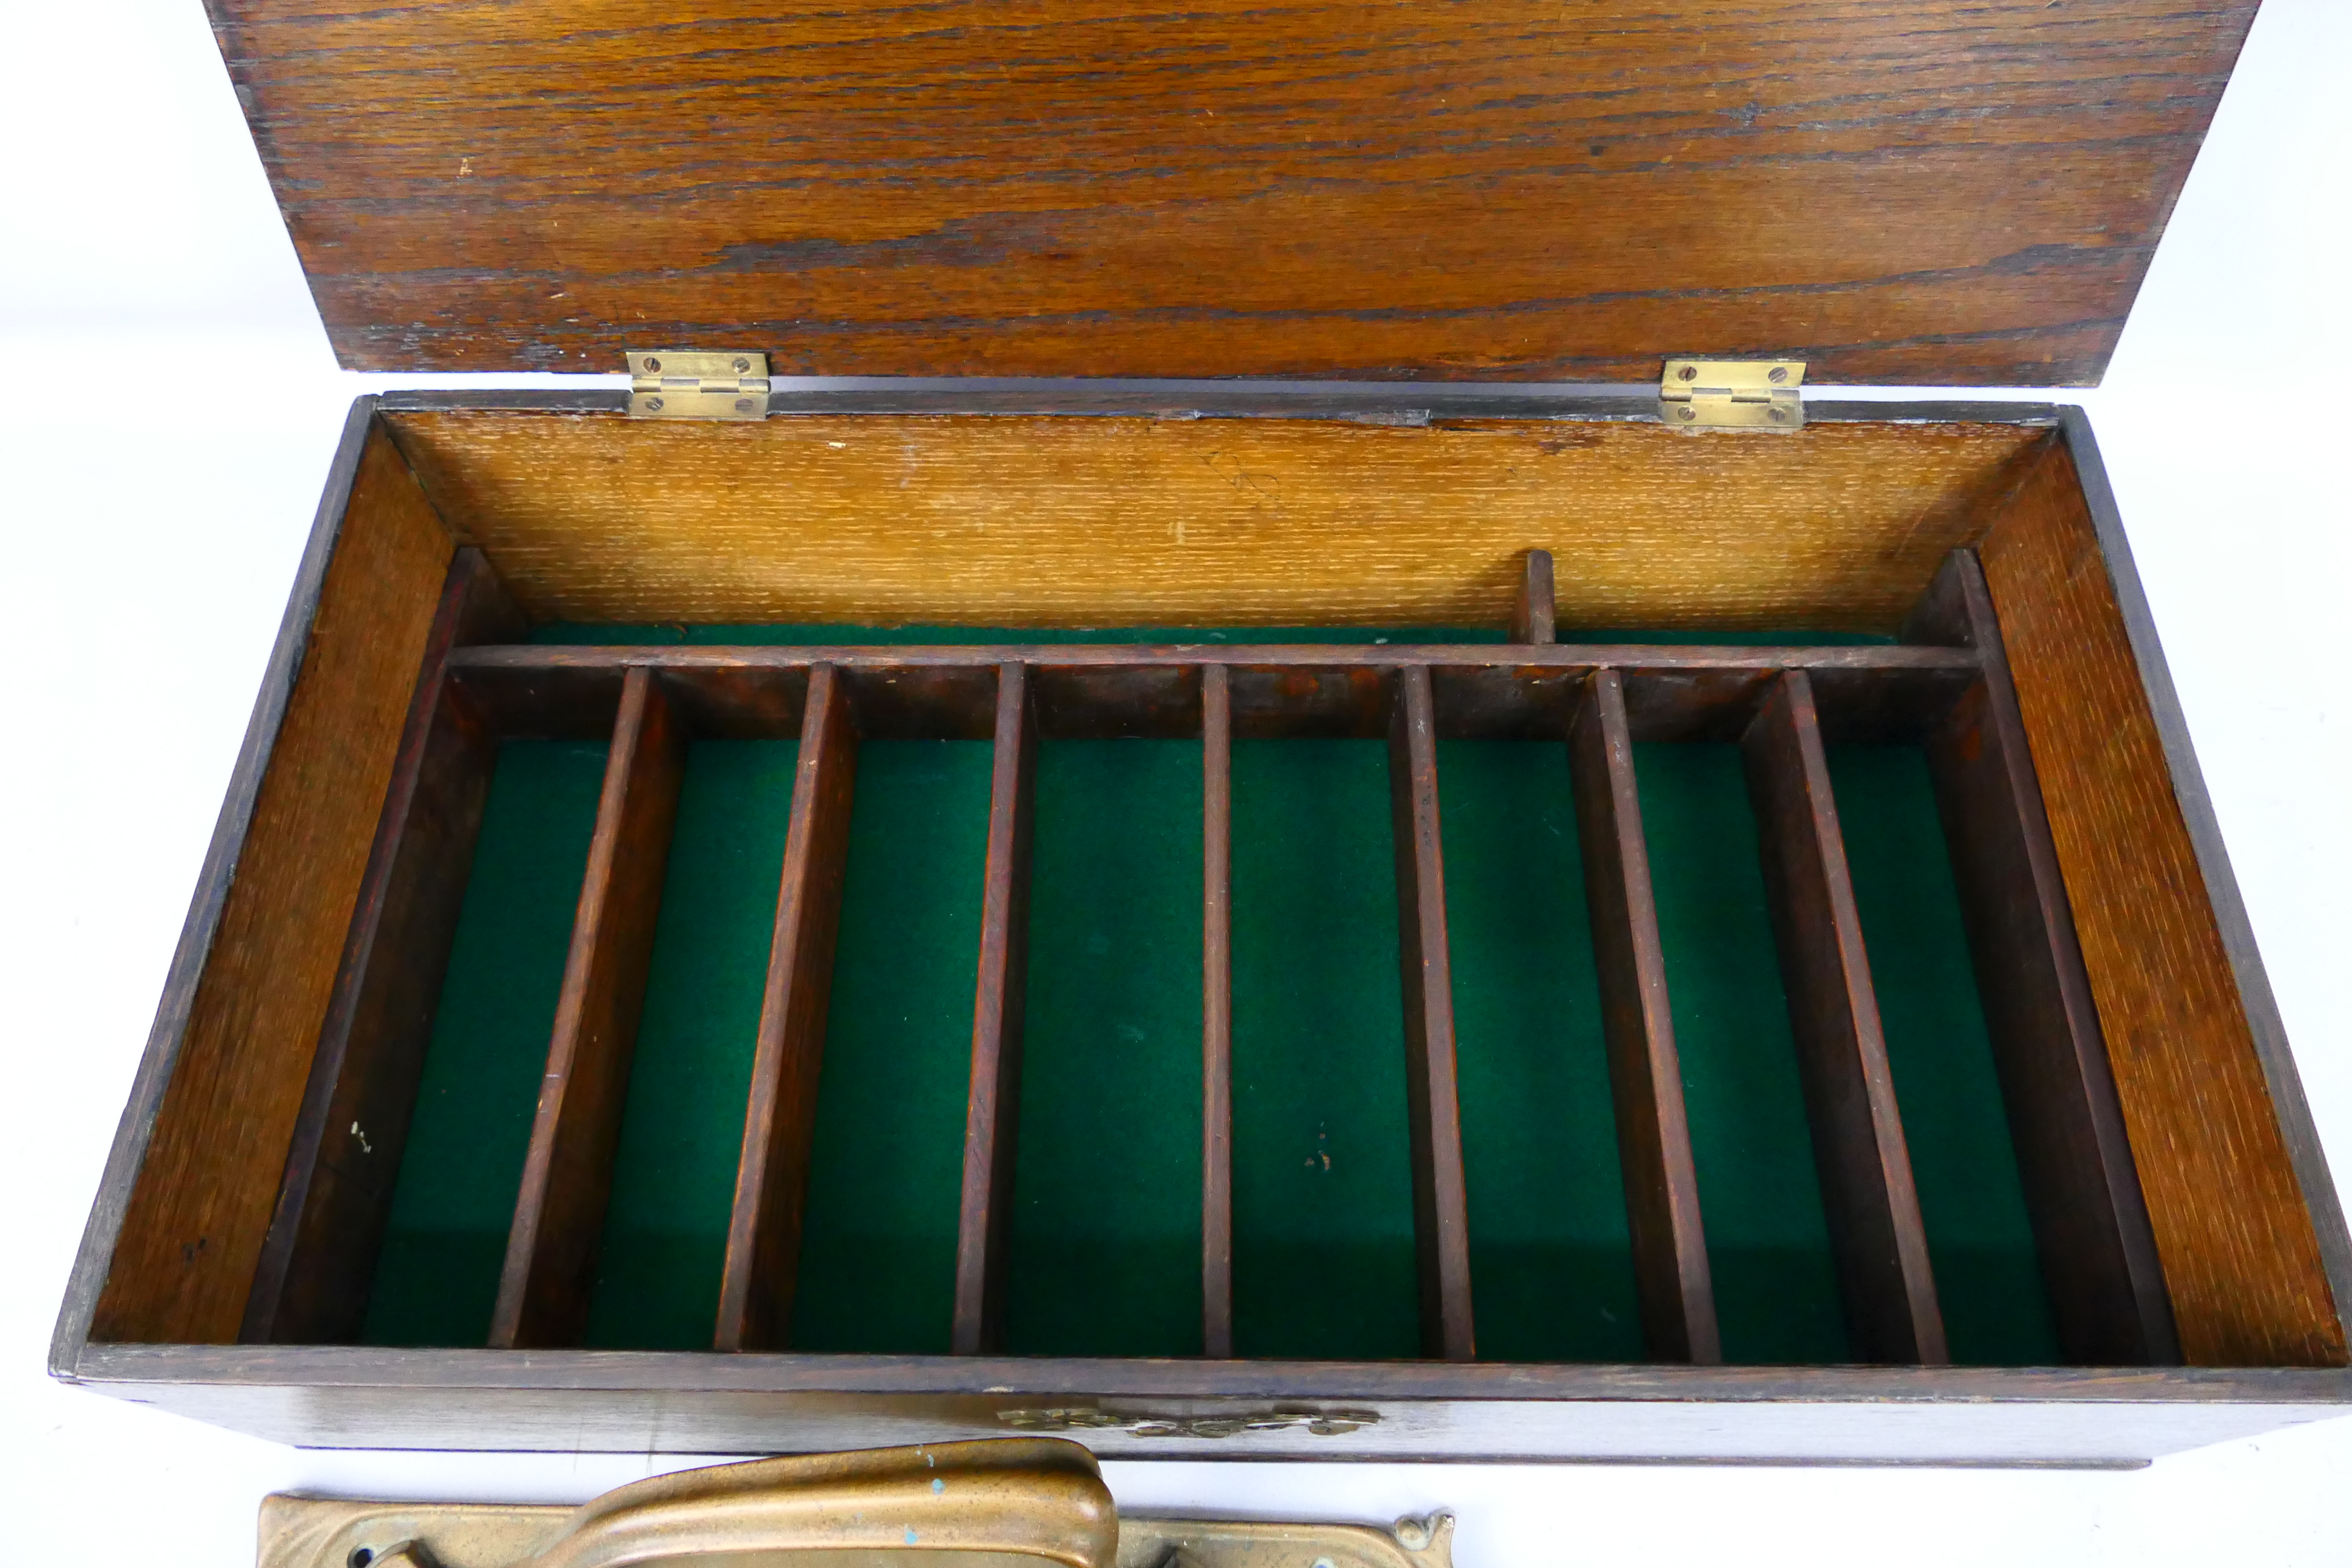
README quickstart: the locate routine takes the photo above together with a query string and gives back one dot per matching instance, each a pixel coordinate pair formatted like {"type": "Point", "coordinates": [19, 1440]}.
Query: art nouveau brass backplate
{"type": "Point", "coordinates": [1021, 1502]}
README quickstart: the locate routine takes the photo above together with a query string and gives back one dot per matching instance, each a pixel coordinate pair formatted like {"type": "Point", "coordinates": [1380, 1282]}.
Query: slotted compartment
{"type": "Point", "coordinates": [1212, 1088]}
{"type": "Point", "coordinates": [896, 970]}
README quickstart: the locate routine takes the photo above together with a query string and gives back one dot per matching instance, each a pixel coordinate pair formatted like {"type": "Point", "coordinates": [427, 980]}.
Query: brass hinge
{"type": "Point", "coordinates": [1732, 394]}
{"type": "Point", "coordinates": [670, 383]}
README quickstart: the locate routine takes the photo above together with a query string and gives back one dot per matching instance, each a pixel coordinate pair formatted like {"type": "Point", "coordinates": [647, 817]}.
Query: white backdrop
{"type": "Point", "coordinates": [146, 546]}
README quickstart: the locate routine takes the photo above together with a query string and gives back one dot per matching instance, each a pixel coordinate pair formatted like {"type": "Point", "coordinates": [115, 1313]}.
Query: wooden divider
{"type": "Point", "coordinates": [550, 1263]}
{"type": "Point", "coordinates": [1532, 615]}
{"type": "Point", "coordinates": [319, 1258]}
{"type": "Point", "coordinates": [764, 1231]}
{"type": "Point", "coordinates": [2091, 1228]}
{"type": "Point", "coordinates": [1441, 1220]}
{"type": "Point", "coordinates": [984, 1222]}
{"type": "Point", "coordinates": [1216, 1013]}
{"type": "Point", "coordinates": [1875, 1230]}
{"type": "Point", "coordinates": [1646, 1079]}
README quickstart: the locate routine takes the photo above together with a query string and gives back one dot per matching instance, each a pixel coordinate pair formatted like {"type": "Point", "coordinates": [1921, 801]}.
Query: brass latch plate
{"type": "Point", "coordinates": [1732, 394]}
{"type": "Point", "coordinates": [1013, 1501]}
{"type": "Point", "coordinates": [316, 1533]}
{"type": "Point", "coordinates": [672, 383]}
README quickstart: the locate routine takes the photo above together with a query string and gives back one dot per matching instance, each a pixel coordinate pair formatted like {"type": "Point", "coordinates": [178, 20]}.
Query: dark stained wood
{"type": "Point", "coordinates": [984, 1220]}
{"type": "Point", "coordinates": [2207, 1103]}
{"type": "Point", "coordinates": [1103, 702]}
{"type": "Point", "coordinates": [764, 1231]}
{"type": "Point", "coordinates": [1532, 616]}
{"type": "Point", "coordinates": [1957, 196]}
{"type": "Point", "coordinates": [2082, 1187]}
{"type": "Point", "coordinates": [1216, 1012]}
{"type": "Point", "coordinates": [1645, 1077]}
{"type": "Point", "coordinates": [1875, 1230]}
{"type": "Point", "coordinates": [1441, 1220]}
{"type": "Point", "coordinates": [237, 1039]}
{"type": "Point", "coordinates": [1274, 521]}
{"type": "Point", "coordinates": [682, 662]}
{"type": "Point", "coordinates": [311, 1284]}
{"type": "Point", "coordinates": [1482, 692]}
{"type": "Point", "coordinates": [550, 1265]}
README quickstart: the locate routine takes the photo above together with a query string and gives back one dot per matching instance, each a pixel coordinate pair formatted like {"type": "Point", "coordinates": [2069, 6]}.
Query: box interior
{"type": "Point", "coordinates": [1107, 1234]}
{"type": "Point", "coordinates": [905, 530]}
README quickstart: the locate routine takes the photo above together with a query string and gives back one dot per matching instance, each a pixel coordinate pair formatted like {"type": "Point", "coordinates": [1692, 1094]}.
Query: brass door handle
{"type": "Point", "coordinates": [1034, 1500]}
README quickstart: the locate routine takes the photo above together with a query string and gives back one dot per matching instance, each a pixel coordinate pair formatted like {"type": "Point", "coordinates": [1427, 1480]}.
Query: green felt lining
{"type": "Point", "coordinates": [437, 1277]}
{"type": "Point", "coordinates": [1106, 1233]}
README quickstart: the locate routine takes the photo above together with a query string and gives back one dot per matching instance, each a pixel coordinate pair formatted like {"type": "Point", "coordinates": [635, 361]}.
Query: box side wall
{"type": "Point", "coordinates": [99, 1233]}
{"type": "Point", "coordinates": [2236, 1223]}
{"type": "Point", "coordinates": [193, 1224]}
{"type": "Point", "coordinates": [1058, 522]}
{"type": "Point", "coordinates": [1782, 1417]}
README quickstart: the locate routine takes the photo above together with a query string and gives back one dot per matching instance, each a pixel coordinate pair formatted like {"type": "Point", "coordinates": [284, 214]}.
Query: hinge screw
{"type": "Point", "coordinates": [1687, 412]}
{"type": "Point", "coordinates": [653, 365]}
{"type": "Point", "coordinates": [1779, 416]}
{"type": "Point", "coordinates": [741, 365]}
{"type": "Point", "coordinates": [742, 405]}
{"type": "Point", "coordinates": [1687, 372]}
{"type": "Point", "coordinates": [1777, 374]}
{"type": "Point", "coordinates": [653, 404]}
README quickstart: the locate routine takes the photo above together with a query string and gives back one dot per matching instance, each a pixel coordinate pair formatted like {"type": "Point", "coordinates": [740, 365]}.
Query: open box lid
{"type": "Point", "coordinates": [1897, 190]}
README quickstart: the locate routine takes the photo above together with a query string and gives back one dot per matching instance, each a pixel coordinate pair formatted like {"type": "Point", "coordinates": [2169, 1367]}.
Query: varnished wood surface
{"type": "Point", "coordinates": [1867, 1193]}
{"type": "Point", "coordinates": [2239, 1252]}
{"type": "Point", "coordinates": [1911, 191]}
{"type": "Point", "coordinates": [992, 1112]}
{"type": "Point", "coordinates": [196, 1218]}
{"type": "Point", "coordinates": [1645, 1077]}
{"type": "Point", "coordinates": [567, 1177]}
{"type": "Point", "coordinates": [1216, 1012]}
{"type": "Point", "coordinates": [1440, 1216]}
{"type": "Point", "coordinates": [1139, 521]}
{"type": "Point", "coordinates": [2099, 1264]}
{"type": "Point", "coordinates": [311, 1282]}
{"type": "Point", "coordinates": [763, 1232]}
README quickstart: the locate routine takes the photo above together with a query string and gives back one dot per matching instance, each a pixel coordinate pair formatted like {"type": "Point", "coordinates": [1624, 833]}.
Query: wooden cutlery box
{"type": "Point", "coordinates": [1343, 910]}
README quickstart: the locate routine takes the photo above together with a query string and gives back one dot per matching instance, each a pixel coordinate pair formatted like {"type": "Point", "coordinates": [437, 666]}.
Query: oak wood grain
{"type": "Point", "coordinates": [192, 1230]}
{"type": "Point", "coordinates": [567, 1178]}
{"type": "Point", "coordinates": [2092, 1235]}
{"type": "Point", "coordinates": [1645, 1077]}
{"type": "Point", "coordinates": [1876, 1233]}
{"type": "Point", "coordinates": [1009, 521]}
{"type": "Point", "coordinates": [1216, 1012]}
{"type": "Point", "coordinates": [312, 1280]}
{"type": "Point", "coordinates": [2240, 1253]}
{"type": "Point", "coordinates": [993, 1112]}
{"type": "Point", "coordinates": [764, 1231]}
{"type": "Point", "coordinates": [1915, 191]}
{"type": "Point", "coordinates": [1440, 1215]}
